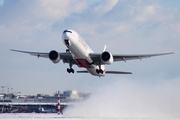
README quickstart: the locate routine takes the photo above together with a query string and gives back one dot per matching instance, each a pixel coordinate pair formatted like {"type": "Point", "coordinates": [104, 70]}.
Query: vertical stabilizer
{"type": "Point", "coordinates": [104, 48]}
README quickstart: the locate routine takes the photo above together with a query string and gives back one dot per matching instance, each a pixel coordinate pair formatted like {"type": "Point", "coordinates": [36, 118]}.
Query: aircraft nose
{"type": "Point", "coordinates": [67, 31]}
{"type": "Point", "coordinates": [66, 37]}
{"type": "Point", "coordinates": [66, 34]}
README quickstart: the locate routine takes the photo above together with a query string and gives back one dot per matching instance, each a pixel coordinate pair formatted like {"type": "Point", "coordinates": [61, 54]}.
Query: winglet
{"type": "Point", "coordinates": [174, 52]}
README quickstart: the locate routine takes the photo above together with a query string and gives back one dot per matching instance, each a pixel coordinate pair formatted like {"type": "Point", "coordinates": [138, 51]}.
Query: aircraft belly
{"type": "Point", "coordinates": [81, 56]}
{"type": "Point", "coordinates": [83, 63]}
{"type": "Point", "coordinates": [92, 71]}
{"type": "Point", "coordinates": [78, 52]}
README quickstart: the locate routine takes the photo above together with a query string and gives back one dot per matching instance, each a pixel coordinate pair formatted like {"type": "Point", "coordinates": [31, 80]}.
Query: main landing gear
{"type": "Point", "coordinates": [99, 71]}
{"type": "Point", "coordinates": [70, 70]}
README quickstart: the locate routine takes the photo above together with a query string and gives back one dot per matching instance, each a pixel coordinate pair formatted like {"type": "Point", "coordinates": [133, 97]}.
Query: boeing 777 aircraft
{"type": "Point", "coordinates": [80, 54]}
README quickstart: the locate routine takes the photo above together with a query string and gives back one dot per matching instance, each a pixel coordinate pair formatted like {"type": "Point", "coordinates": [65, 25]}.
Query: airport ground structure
{"type": "Point", "coordinates": [40, 103]}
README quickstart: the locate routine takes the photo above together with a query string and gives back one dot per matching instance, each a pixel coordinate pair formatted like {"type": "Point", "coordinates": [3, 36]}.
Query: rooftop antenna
{"type": "Point", "coordinates": [2, 89]}
{"type": "Point", "coordinates": [12, 90]}
{"type": "Point", "coordinates": [8, 90]}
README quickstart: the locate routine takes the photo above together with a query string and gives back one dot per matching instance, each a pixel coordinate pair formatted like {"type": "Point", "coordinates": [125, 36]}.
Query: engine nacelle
{"type": "Point", "coordinates": [54, 56]}
{"type": "Point", "coordinates": [107, 58]}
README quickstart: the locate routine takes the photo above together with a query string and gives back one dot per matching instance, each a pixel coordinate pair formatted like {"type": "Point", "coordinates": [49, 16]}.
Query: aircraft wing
{"type": "Point", "coordinates": [38, 54]}
{"type": "Point", "coordinates": [96, 57]}
{"type": "Point", "coordinates": [66, 57]}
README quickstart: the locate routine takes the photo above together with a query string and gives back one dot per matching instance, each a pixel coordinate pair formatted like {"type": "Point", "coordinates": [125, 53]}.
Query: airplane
{"type": "Point", "coordinates": [80, 54]}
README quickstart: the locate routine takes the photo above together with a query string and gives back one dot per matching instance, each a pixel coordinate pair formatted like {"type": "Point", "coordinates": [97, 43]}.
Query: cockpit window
{"type": "Point", "coordinates": [68, 31]}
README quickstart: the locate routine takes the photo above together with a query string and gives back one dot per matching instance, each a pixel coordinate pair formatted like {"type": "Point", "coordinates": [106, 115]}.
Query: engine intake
{"type": "Point", "coordinates": [107, 58]}
{"type": "Point", "coordinates": [54, 56]}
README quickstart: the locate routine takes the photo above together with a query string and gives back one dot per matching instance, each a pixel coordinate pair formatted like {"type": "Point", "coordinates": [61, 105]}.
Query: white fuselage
{"type": "Point", "coordinates": [80, 51]}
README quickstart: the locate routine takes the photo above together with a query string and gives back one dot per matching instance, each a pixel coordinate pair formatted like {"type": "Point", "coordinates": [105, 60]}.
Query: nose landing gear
{"type": "Point", "coordinates": [66, 41]}
{"type": "Point", "coordinates": [70, 70]}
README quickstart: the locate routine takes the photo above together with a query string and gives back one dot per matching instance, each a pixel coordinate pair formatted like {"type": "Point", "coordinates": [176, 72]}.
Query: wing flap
{"type": "Point", "coordinates": [38, 54]}
{"type": "Point", "coordinates": [96, 56]}
{"type": "Point", "coordinates": [133, 57]}
{"type": "Point", "coordinates": [66, 57]}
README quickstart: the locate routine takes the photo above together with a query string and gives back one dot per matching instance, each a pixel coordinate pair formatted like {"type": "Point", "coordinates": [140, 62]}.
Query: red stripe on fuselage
{"type": "Point", "coordinates": [83, 63]}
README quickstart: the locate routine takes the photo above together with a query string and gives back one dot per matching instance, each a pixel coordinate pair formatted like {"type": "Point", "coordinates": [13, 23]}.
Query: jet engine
{"type": "Point", "coordinates": [54, 56]}
{"type": "Point", "coordinates": [107, 58]}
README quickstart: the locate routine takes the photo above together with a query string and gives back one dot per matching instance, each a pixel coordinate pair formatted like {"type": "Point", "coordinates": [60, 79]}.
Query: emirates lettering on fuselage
{"type": "Point", "coordinates": [82, 42]}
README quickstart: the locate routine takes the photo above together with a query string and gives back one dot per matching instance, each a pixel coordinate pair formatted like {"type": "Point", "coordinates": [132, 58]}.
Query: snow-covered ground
{"type": "Point", "coordinates": [29, 116]}
{"type": "Point", "coordinates": [36, 116]}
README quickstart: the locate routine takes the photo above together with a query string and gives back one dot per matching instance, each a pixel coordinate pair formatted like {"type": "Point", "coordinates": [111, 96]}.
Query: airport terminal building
{"type": "Point", "coordinates": [38, 103]}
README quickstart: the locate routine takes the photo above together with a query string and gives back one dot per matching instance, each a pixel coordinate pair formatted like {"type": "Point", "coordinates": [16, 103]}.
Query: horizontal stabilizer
{"type": "Point", "coordinates": [107, 72]}
{"type": "Point", "coordinates": [84, 71]}
{"type": "Point", "coordinates": [117, 72]}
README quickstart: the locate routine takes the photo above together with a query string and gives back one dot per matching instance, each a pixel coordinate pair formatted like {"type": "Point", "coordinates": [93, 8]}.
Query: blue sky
{"type": "Point", "coordinates": [1, 2]}
{"type": "Point", "coordinates": [126, 27]}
